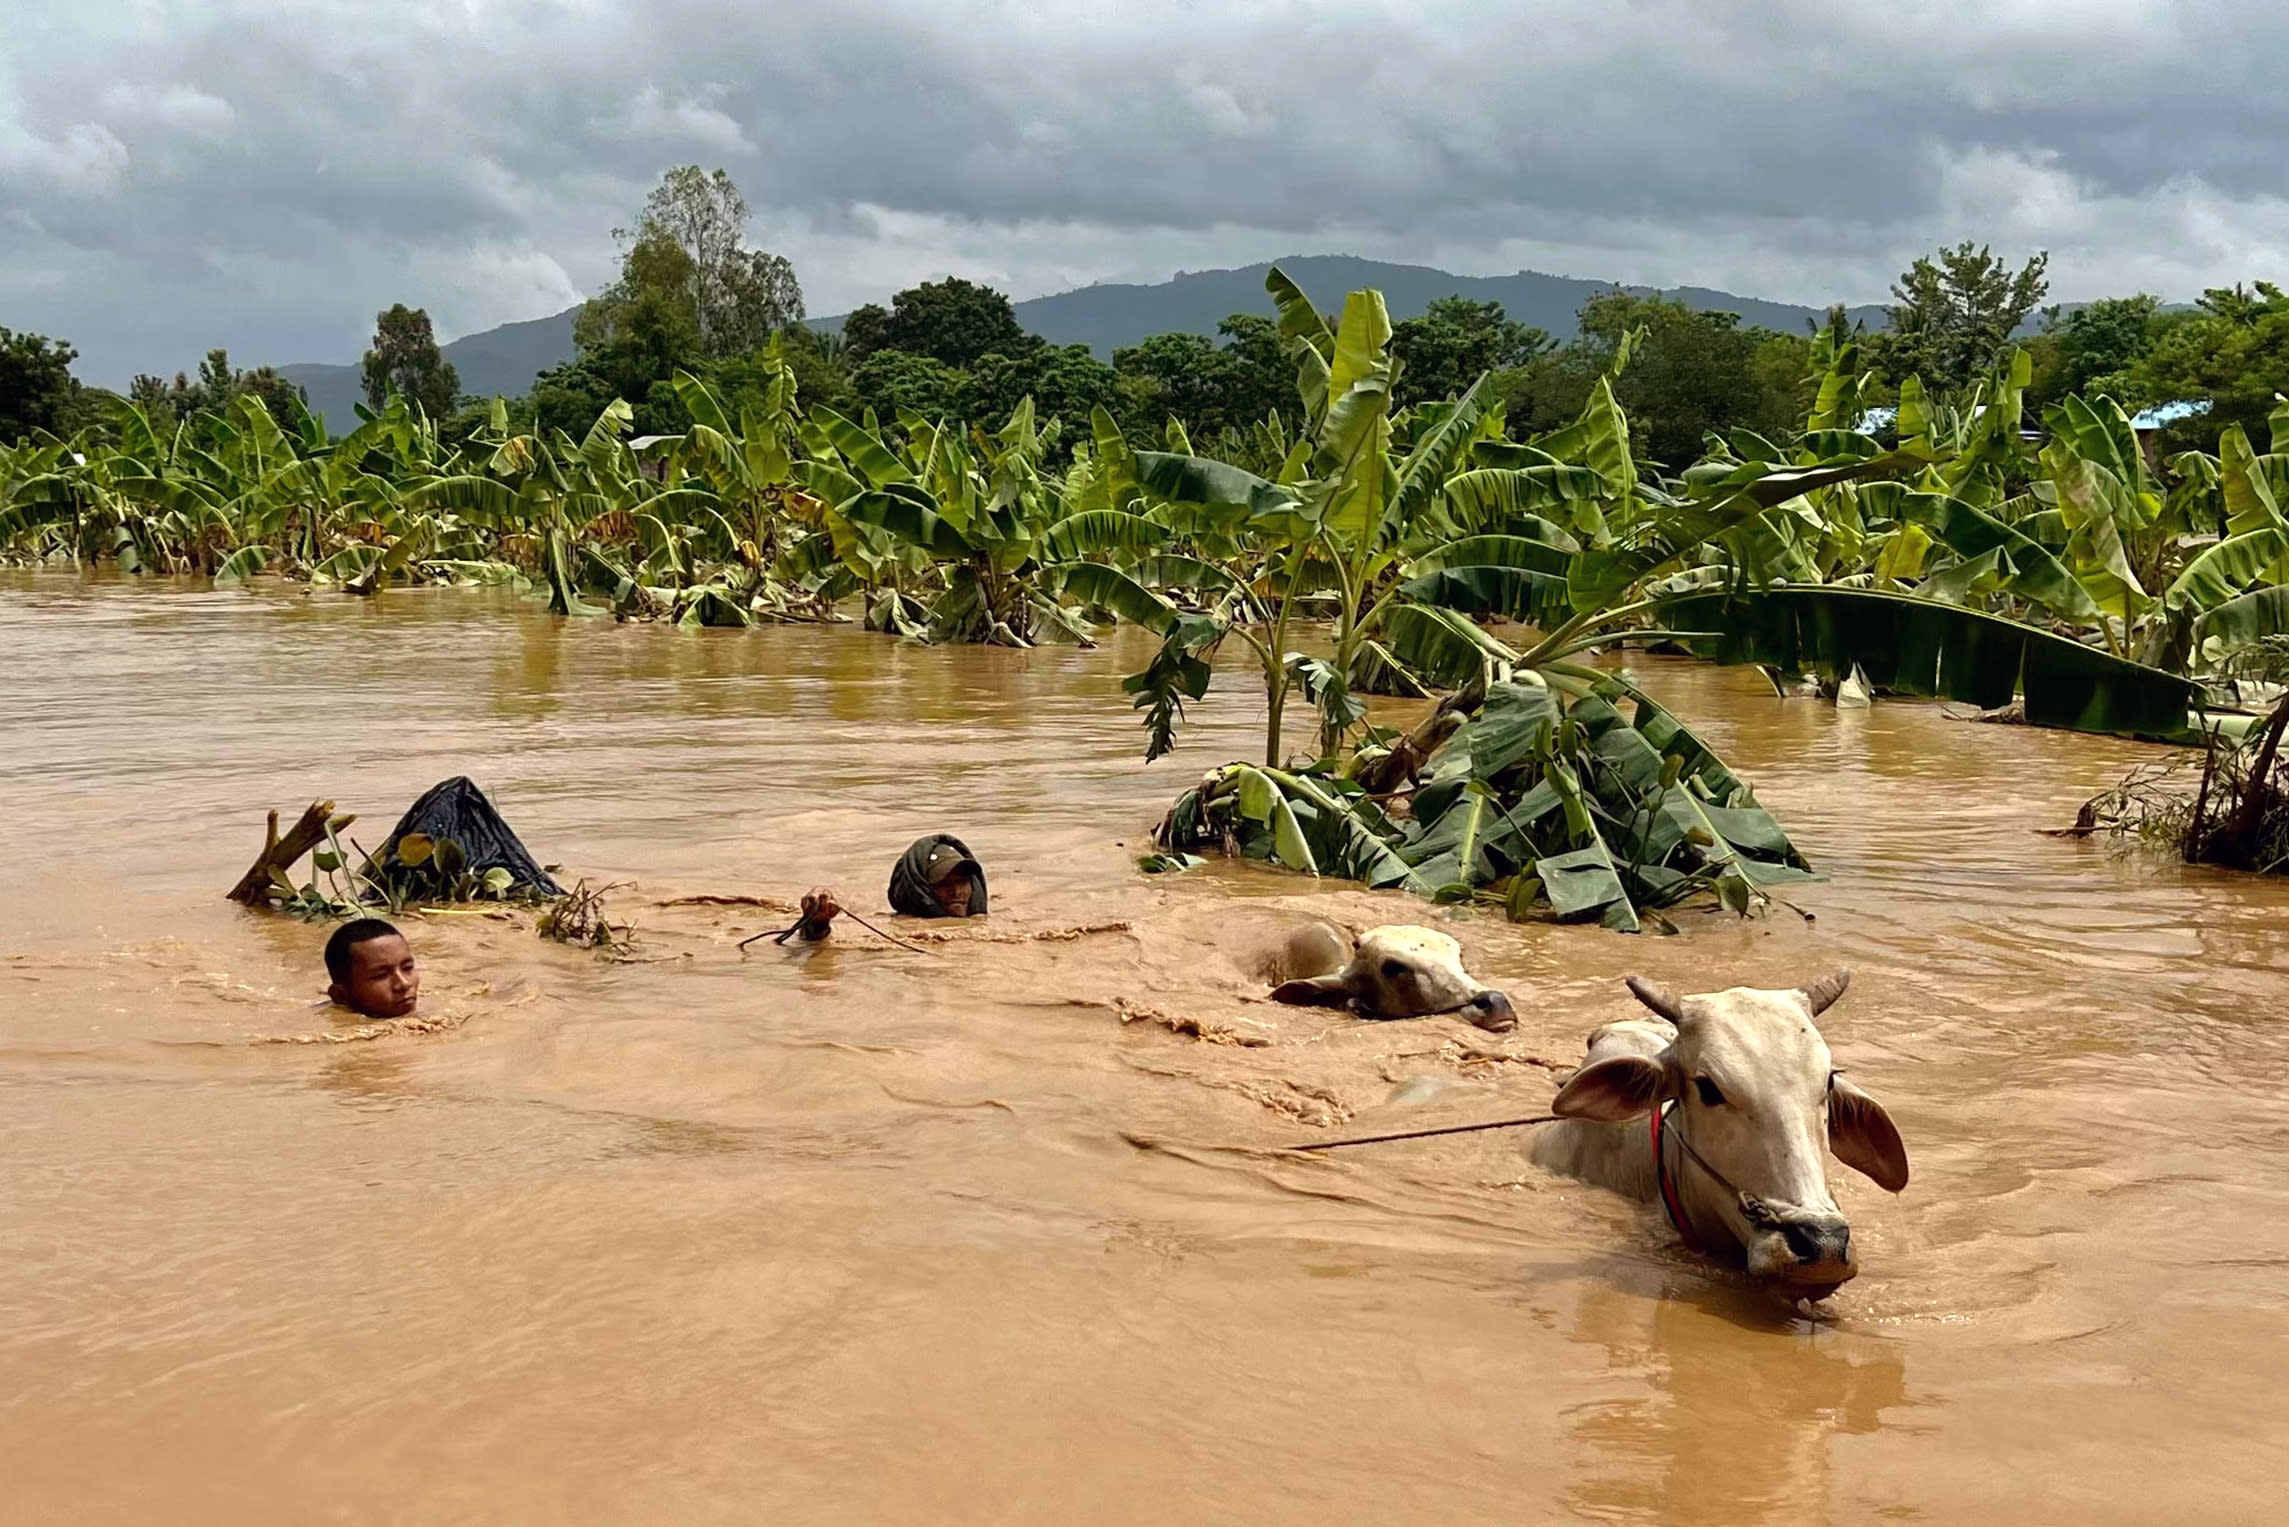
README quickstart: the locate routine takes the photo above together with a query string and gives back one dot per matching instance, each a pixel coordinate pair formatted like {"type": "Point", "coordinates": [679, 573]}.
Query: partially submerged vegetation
{"type": "Point", "coordinates": [2227, 805]}
{"type": "Point", "coordinates": [1369, 540]}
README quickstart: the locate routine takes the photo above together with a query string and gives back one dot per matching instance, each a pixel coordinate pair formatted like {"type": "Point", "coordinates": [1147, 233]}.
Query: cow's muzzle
{"type": "Point", "coordinates": [1491, 1011]}
{"type": "Point", "coordinates": [1808, 1254]}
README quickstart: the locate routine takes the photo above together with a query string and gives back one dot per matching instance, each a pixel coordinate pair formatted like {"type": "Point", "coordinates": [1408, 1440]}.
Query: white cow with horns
{"type": "Point", "coordinates": [1723, 1108]}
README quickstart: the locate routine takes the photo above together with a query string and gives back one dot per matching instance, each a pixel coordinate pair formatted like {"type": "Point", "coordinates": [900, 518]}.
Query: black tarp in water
{"type": "Point", "coordinates": [457, 812]}
{"type": "Point", "coordinates": [910, 879]}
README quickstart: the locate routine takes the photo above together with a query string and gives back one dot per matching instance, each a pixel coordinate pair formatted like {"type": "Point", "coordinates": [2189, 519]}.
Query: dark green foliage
{"type": "Point", "coordinates": [2093, 350]}
{"type": "Point", "coordinates": [217, 384]}
{"type": "Point", "coordinates": [1544, 799]}
{"type": "Point", "coordinates": [404, 359]}
{"type": "Point", "coordinates": [1209, 386]}
{"type": "Point", "coordinates": [1064, 381]}
{"type": "Point", "coordinates": [37, 388]}
{"type": "Point", "coordinates": [1914, 646]}
{"type": "Point", "coordinates": [688, 251]}
{"type": "Point", "coordinates": [570, 396]}
{"type": "Point", "coordinates": [865, 330]}
{"type": "Point", "coordinates": [690, 297]}
{"type": "Point", "coordinates": [892, 380]}
{"type": "Point", "coordinates": [1689, 373]}
{"type": "Point", "coordinates": [819, 362]}
{"type": "Point", "coordinates": [2232, 353]}
{"type": "Point", "coordinates": [1454, 343]}
{"type": "Point", "coordinates": [1952, 315]}
{"type": "Point", "coordinates": [1176, 674]}
{"type": "Point", "coordinates": [954, 322]}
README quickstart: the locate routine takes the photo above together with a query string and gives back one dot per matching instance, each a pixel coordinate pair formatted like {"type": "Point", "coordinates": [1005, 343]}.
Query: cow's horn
{"type": "Point", "coordinates": [1822, 994]}
{"type": "Point", "coordinates": [1657, 998]}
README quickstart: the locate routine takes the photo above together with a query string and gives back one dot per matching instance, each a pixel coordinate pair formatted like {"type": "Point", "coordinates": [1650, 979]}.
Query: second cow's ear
{"type": "Point", "coordinates": [1613, 1090]}
{"type": "Point", "coordinates": [1319, 991]}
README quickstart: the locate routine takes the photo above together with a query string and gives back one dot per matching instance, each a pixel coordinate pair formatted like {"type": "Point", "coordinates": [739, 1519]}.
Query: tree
{"type": "Point", "coordinates": [1951, 316]}
{"type": "Point", "coordinates": [1689, 373]}
{"type": "Point", "coordinates": [2231, 352]}
{"type": "Point", "coordinates": [1455, 342]}
{"type": "Point", "coordinates": [737, 297]}
{"type": "Point", "coordinates": [404, 359]}
{"type": "Point", "coordinates": [952, 321]}
{"type": "Point", "coordinates": [1066, 382]}
{"type": "Point", "coordinates": [571, 397]}
{"type": "Point", "coordinates": [644, 327]}
{"type": "Point", "coordinates": [218, 383]}
{"type": "Point", "coordinates": [37, 389]}
{"type": "Point", "coordinates": [865, 330]}
{"type": "Point", "coordinates": [2093, 349]}
{"type": "Point", "coordinates": [890, 380]}
{"type": "Point", "coordinates": [1180, 376]}
{"type": "Point", "coordinates": [1263, 378]}
{"type": "Point", "coordinates": [284, 399]}
{"type": "Point", "coordinates": [1208, 386]}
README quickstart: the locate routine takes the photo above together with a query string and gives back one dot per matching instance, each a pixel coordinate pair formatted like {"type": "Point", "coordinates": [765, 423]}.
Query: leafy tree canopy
{"type": "Point", "coordinates": [954, 322]}
{"type": "Point", "coordinates": [1454, 343]}
{"type": "Point", "coordinates": [1952, 315]}
{"type": "Point", "coordinates": [1211, 387]}
{"type": "Point", "coordinates": [1689, 373]}
{"type": "Point", "coordinates": [2231, 352]}
{"type": "Point", "coordinates": [890, 380]}
{"type": "Point", "coordinates": [167, 403]}
{"type": "Point", "coordinates": [404, 359]}
{"type": "Point", "coordinates": [1064, 381]}
{"type": "Point", "coordinates": [2093, 349]}
{"type": "Point", "coordinates": [686, 271]}
{"type": "Point", "coordinates": [37, 389]}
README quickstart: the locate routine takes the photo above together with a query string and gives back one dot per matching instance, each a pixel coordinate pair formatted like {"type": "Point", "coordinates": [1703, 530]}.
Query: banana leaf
{"type": "Point", "coordinates": [1108, 588]}
{"type": "Point", "coordinates": [1439, 648]}
{"type": "Point", "coordinates": [1920, 647]}
{"type": "Point", "coordinates": [1489, 497]}
{"type": "Point", "coordinates": [1719, 504]}
{"type": "Point", "coordinates": [1209, 483]}
{"type": "Point", "coordinates": [2027, 569]}
{"type": "Point", "coordinates": [2252, 617]}
{"type": "Point", "coordinates": [1094, 532]}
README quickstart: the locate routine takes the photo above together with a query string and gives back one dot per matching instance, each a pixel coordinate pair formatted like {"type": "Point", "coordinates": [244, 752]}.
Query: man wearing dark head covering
{"type": "Point", "coordinates": [937, 877]}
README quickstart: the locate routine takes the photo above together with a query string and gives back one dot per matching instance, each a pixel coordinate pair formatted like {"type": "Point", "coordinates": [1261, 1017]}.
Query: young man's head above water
{"type": "Point", "coordinates": [371, 970]}
{"type": "Point", "coordinates": [951, 886]}
{"type": "Point", "coordinates": [937, 877]}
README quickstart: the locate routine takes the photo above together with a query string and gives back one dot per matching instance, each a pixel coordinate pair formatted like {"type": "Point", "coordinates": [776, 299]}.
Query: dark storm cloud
{"type": "Point", "coordinates": [179, 174]}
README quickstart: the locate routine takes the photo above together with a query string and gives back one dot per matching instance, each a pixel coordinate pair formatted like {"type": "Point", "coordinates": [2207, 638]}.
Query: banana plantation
{"type": "Point", "coordinates": [1421, 553]}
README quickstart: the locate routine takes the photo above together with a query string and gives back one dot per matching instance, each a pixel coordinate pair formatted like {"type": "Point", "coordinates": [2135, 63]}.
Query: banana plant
{"type": "Point", "coordinates": [980, 513]}
{"type": "Point", "coordinates": [1531, 785]}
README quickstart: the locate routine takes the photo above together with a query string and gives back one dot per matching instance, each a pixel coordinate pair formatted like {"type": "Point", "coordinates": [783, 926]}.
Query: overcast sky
{"type": "Point", "coordinates": [176, 174]}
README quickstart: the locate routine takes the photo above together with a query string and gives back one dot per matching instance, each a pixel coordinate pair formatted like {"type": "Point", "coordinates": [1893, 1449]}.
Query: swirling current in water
{"type": "Point", "coordinates": [852, 1234]}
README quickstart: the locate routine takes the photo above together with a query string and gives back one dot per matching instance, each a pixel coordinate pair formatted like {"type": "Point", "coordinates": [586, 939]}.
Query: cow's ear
{"type": "Point", "coordinates": [1319, 991]}
{"type": "Point", "coordinates": [1863, 1136]}
{"type": "Point", "coordinates": [1612, 1090]}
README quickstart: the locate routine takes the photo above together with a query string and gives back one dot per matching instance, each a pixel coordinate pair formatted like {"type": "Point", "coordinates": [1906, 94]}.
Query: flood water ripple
{"type": "Point", "coordinates": [851, 1235]}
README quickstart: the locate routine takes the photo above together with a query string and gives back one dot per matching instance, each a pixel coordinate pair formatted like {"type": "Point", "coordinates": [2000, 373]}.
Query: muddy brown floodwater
{"type": "Point", "coordinates": [853, 1235]}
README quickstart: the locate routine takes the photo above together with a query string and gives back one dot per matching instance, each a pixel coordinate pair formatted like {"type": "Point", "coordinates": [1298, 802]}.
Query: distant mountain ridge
{"type": "Point", "coordinates": [500, 361]}
{"type": "Point", "coordinates": [1111, 315]}
{"type": "Point", "coordinates": [1108, 316]}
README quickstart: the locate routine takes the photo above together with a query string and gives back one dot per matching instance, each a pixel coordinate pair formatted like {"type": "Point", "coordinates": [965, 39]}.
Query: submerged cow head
{"type": "Point", "coordinates": [1404, 972]}
{"type": "Point", "coordinates": [1759, 1101]}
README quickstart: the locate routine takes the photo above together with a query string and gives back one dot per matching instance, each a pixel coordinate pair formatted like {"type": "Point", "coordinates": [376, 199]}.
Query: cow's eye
{"type": "Point", "coordinates": [1393, 970]}
{"type": "Point", "coordinates": [1712, 1096]}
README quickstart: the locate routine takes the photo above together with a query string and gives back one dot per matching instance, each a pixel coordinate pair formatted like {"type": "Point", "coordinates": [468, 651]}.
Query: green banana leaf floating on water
{"type": "Point", "coordinates": [1579, 800]}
